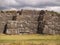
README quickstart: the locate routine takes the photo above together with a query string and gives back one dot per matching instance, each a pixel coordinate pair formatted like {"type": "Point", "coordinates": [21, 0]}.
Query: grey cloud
{"type": "Point", "coordinates": [28, 3]}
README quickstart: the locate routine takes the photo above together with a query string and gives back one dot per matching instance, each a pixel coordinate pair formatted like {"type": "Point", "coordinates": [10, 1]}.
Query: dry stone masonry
{"type": "Point", "coordinates": [29, 22]}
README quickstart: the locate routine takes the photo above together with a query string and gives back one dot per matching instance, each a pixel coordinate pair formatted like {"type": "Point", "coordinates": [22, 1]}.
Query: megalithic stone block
{"type": "Point", "coordinates": [12, 31]}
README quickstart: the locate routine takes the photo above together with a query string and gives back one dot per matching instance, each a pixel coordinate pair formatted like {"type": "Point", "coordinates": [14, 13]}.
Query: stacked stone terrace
{"type": "Point", "coordinates": [29, 22]}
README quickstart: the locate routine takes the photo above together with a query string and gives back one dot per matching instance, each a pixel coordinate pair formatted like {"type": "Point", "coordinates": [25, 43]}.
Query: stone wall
{"type": "Point", "coordinates": [52, 23]}
{"type": "Point", "coordinates": [30, 22]}
{"type": "Point", "coordinates": [4, 18]}
{"type": "Point", "coordinates": [12, 27]}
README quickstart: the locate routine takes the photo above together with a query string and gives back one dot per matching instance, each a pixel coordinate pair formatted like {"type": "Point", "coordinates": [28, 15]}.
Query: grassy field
{"type": "Point", "coordinates": [33, 39]}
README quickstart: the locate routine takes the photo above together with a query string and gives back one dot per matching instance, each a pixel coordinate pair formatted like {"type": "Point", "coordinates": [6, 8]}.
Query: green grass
{"type": "Point", "coordinates": [31, 39]}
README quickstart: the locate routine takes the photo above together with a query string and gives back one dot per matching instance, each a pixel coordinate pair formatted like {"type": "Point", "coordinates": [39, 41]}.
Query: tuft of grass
{"type": "Point", "coordinates": [31, 39]}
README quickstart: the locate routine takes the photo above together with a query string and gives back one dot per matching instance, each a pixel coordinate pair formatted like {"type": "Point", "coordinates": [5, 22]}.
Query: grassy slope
{"type": "Point", "coordinates": [34, 38]}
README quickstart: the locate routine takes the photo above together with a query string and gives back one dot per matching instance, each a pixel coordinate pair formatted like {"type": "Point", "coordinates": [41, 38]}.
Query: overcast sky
{"type": "Point", "coordinates": [30, 4]}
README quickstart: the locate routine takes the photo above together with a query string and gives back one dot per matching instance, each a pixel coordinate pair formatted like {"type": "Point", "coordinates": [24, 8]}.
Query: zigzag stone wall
{"type": "Point", "coordinates": [30, 22]}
